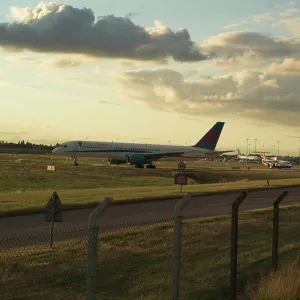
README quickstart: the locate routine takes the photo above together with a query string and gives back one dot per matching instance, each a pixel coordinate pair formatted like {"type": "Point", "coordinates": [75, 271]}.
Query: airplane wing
{"type": "Point", "coordinates": [164, 154]}
{"type": "Point", "coordinates": [219, 152]}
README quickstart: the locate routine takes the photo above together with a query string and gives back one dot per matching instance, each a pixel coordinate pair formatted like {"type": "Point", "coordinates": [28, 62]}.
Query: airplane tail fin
{"type": "Point", "coordinates": [262, 156]}
{"type": "Point", "coordinates": [210, 139]}
{"type": "Point", "coordinates": [238, 151]}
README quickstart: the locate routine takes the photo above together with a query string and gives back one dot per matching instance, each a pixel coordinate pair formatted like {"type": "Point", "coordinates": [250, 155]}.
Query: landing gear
{"type": "Point", "coordinates": [75, 162]}
{"type": "Point", "coordinates": [151, 166]}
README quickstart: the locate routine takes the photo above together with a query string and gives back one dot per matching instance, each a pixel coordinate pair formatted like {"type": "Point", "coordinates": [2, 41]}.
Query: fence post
{"type": "Point", "coordinates": [93, 238]}
{"type": "Point", "coordinates": [275, 229]}
{"type": "Point", "coordinates": [234, 243]}
{"type": "Point", "coordinates": [178, 216]}
{"type": "Point", "coordinates": [52, 220]}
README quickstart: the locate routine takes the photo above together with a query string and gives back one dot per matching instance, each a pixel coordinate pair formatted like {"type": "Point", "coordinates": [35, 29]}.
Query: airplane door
{"type": "Point", "coordinates": [77, 145]}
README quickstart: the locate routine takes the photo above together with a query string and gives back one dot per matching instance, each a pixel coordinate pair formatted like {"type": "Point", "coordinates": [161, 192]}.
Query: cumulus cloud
{"type": "Point", "coordinates": [248, 94]}
{"type": "Point", "coordinates": [54, 27]}
{"type": "Point", "coordinates": [237, 43]}
{"type": "Point", "coordinates": [289, 66]}
{"type": "Point", "coordinates": [291, 24]}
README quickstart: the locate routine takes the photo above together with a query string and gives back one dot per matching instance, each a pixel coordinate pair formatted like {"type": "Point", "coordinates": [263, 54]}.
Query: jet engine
{"type": "Point", "coordinates": [137, 159]}
{"type": "Point", "coordinates": [116, 161]}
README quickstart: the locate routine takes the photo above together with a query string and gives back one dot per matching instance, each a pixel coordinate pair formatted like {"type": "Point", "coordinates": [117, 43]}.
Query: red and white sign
{"type": "Point", "coordinates": [180, 179]}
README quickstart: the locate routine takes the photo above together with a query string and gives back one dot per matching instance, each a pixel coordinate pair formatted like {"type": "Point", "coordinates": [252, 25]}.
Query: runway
{"type": "Point", "coordinates": [138, 213]}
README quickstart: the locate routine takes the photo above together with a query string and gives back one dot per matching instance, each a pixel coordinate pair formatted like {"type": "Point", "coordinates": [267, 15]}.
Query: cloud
{"type": "Point", "coordinates": [29, 86]}
{"type": "Point", "coordinates": [293, 137]}
{"type": "Point", "coordinates": [132, 14]}
{"type": "Point", "coordinates": [85, 81]}
{"type": "Point", "coordinates": [246, 94]}
{"type": "Point", "coordinates": [61, 63]}
{"type": "Point", "coordinates": [261, 18]}
{"type": "Point", "coordinates": [292, 25]}
{"type": "Point", "coordinates": [13, 133]}
{"type": "Point", "coordinates": [289, 66]}
{"type": "Point", "coordinates": [59, 28]}
{"type": "Point", "coordinates": [290, 12]}
{"type": "Point", "coordinates": [272, 83]}
{"type": "Point", "coordinates": [110, 103]}
{"type": "Point", "coordinates": [230, 26]}
{"type": "Point", "coordinates": [43, 126]}
{"type": "Point", "coordinates": [249, 49]}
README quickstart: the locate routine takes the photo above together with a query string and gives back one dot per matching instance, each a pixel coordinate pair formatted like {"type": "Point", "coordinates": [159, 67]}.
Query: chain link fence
{"type": "Point", "coordinates": [186, 257]}
{"type": "Point", "coordinates": [31, 269]}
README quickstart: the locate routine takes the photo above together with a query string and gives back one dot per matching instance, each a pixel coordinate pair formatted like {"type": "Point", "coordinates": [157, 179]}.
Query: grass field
{"type": "Point", "coordinates": [284, 284]}
{"type": "Point", "coordinates": [136, 262]}
{"type": "Point", "coordinates": [26, 185]}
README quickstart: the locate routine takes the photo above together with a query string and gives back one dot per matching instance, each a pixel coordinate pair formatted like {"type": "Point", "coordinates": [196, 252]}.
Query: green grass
{"type": "Point", "coordinates": [26, 202]}
{"type": "Point", "coordinates": [28, 173]}
{"type": "Point", "coordinates": [136, 262]}
{"type": "Point", "coordinates": [26, 185]}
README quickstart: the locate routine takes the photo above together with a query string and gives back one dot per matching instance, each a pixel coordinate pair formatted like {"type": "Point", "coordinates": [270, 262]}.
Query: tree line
{"type": "Point", "coordinates": [27, 145]}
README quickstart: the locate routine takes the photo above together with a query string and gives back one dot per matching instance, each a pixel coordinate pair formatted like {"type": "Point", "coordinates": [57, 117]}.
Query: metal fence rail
{"type": "Point", "coordinates": [179, 258]}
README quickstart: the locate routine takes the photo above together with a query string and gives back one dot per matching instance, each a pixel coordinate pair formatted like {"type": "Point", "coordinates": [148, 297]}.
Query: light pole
{"type": "Point", "coordinates": [247, 147]}
{"type": "Point", "coordinates": [274, 151]}
{"type": "Point", "coordinates": [255, 145]}
{"type": "Point", "coordinates": [278, 148]}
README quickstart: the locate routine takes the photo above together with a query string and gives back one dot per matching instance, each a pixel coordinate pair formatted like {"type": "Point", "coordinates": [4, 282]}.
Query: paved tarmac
{"type": "Point", "coordinates": [138, 213]}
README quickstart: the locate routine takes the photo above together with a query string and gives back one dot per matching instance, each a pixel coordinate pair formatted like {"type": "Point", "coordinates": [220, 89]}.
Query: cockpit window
{"type": "Point", "coordinates": [63, 146]}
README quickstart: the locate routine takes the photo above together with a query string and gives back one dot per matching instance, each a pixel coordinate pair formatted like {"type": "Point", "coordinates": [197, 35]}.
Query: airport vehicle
{"type": "Point", "coordinates": [275, 163]}
{"type": "Point", "coordinates": [142, 154]}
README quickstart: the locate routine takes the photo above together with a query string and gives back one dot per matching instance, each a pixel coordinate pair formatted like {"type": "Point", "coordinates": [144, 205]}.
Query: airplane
{"type": "Point", "coordinates": [275, 163]}
{"type": "Point", "coordinates": [251, 157]}
{"type": "Point", "coordinates": [141, 154]}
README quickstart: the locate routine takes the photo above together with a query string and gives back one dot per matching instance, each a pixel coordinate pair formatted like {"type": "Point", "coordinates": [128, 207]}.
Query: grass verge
{"type": "Point", "coordinates": [14, 204]}
{"type": "Point", "coordinates": [280, 285]}
{"type": "Point", "coordinates": [136, 262]}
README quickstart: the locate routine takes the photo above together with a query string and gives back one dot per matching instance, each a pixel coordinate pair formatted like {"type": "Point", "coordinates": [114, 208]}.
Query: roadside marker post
{"type": "Point", "coordinates": [276, 228]}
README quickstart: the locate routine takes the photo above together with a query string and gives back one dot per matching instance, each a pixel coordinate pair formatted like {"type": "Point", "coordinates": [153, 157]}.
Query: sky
{"type": "Point", "coordinates": [151, 72]}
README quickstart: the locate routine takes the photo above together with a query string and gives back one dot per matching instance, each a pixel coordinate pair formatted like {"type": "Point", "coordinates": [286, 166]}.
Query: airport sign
{"type": "Point", "coordinates": [180, 179]}
{"type": "Point", "coordinates": [54, 209]}
{"type": "Point", "coordinates": [181, 165]}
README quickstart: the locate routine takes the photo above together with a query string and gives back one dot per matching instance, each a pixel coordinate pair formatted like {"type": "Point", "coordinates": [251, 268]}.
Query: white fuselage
{"type": "Point", "coordinates": [122, 150]}
{"type": "Point", "coordinates": [255, 158]}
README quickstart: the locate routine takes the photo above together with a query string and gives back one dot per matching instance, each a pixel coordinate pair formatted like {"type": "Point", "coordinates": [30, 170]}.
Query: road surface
{"type": "Point", "coordinates": [145, 212]}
